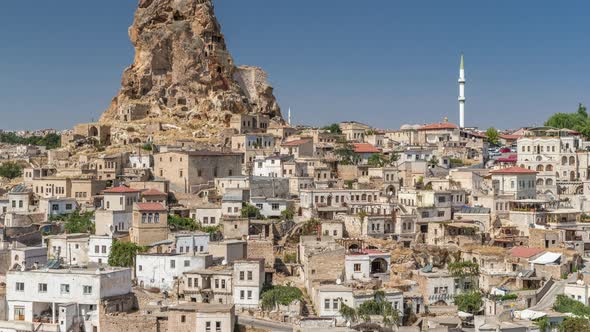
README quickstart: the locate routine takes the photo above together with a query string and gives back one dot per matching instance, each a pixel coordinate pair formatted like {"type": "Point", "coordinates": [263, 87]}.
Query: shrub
{"type": "Point", "coordinates": [10, 170]}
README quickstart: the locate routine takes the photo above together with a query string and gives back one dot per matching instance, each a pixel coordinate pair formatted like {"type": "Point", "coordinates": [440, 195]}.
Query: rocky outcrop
{"type": "Point", "coordinates": [183, 77]}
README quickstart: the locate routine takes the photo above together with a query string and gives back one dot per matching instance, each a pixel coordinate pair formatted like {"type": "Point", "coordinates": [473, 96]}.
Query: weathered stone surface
{"type": "Point", "coordinates": [183, 76]}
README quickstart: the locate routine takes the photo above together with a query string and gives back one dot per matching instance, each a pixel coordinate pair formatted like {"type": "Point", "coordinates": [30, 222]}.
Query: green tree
{"type": "Point", "coordinates": [575, 324]}
{"type": "Point", "coordinates": [362, 215]}
{"type": "Point", "coordinates": [346, 154]}
{"type": "Point", "coordinates": [279, 295]}
{"type": "Point", "coordinates": [10, 170]}
{"type": "Point", "coordinates": [50, 141]}
{"type": "Point", "coordinates": [379, 306]}
{"type": "Point", "coordinates": [287, 214]}
{"type": "Point", "coordinates": [376, 160]}
{"type": "Point", "coordinates": [393, 157]}
{"type": "Point", "coordinates": [77, 222]}
{"type": "Point", "coordinates": [578, 121]}
{"type": "Point", "coordinates": [492, 135]}
{"type": "Point", "coordinates": [334, 128]}
{"type": "Point", "coordinates": [470, 302]}
{"type": "Point", "coordinates": [250, 211]}
{"type": "Point", "coordinates": [542, 323]}
{"type": "Point", "coordinates": [564, 304]}
{"type": "Point", "coordinates": [188, 224]}
{"type": "Point", "coordinates": [348, 313]}
{"type": "Point", "coordinates": [433, 161]}
{"type": "Point", "coordinates": [123, 253]}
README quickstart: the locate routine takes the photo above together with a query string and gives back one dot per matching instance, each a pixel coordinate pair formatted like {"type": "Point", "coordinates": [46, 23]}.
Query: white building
{"type": "Point", "coordinates": [163, 270]}
{"type": "Point", "coordinates": [192, 243]}
{"type": "Point", "coordinates": [57, 206]}
{"type": "Point", "coordinates": [578, 291]}
{"type": "Point", "coordinates": [69, 249]}
{"type": "Point", "coordinates": [50, 293]}
{"type": "Point", "coordinates": [270, 207]}
{"type": "Point", "coordinates": [99, 248]}
{"type": "Point", "coordinates": [272, 166]}
{"type": "Point", "coordinates": [27, 257]}
{"type": "Point", "coordinates": [248, 282]}
{"type": "Point", "coordinates": [207, 215]}
{"type": "Point", "coordinates": [141, 161]}
{"type": "Point", "coordinates": [517, 181]}
{"type": "Point", "coordinates": [367, 264]}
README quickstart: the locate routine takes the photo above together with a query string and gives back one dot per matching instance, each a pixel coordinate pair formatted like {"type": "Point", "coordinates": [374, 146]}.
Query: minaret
{"type": "Point", "coordinates": [461, 94]}
{"type": "Point", "coordinates": [289, 116]}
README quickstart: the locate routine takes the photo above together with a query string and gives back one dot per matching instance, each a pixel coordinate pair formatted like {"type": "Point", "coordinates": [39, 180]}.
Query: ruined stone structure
{"type": "Point", "coordinates": [183, 76]}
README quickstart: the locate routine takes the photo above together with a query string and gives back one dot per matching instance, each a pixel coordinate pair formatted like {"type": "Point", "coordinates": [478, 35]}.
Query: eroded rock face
{"type": "Point", "coordinates": [183, 75]}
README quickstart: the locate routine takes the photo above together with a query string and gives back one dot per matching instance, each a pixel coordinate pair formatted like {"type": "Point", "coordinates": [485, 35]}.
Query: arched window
{"type": "Point", "coordinates": [549, 168]}
{"type": "Point", "coordinates": [540, 168]}
{"type": "Point", "coordinates": [539, 182]}
{"type": "Point", "coordinates": [572, 160]}
{"type": "Point", "coordinates": [549, 182]}
{"type": "Point", "coordinates": [564, 160]}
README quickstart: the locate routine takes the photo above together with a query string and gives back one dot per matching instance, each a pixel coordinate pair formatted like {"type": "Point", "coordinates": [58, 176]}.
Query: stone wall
{"type": "Point", "coordinates": [262, 249]}
{"type": "Point", "coordinates": [123, 322]}
{"type": "Point", "coordinates": [537, 238]}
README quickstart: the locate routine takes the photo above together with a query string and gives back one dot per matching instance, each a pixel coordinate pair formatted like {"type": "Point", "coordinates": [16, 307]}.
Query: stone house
{"type": "Point", "coordinates": [210, 285]}
{"type": "Point", "coordinates": [187, 170]}
{"type": "Point", "coordinates": [248, 280]}
{"type": "Point", "coordinates": [164, 271]}
{"type": "Point", "coordinates": [298, 148]}
{"type": "Point", "coordinates": [149, 224]}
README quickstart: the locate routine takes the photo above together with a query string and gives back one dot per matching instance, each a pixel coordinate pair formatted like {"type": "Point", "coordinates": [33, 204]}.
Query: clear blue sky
{"type": "Point", "coordinates": [382, 62]}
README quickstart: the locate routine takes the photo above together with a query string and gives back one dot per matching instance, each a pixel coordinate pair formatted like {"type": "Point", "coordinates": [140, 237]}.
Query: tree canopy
{"type": "Point", "coordinates": [250, 211]}
{"type": "Point", "coordinates": [50, 141]}
{"type": "Point", "coordinates": [492, 135]}
{"type": "Point", "coordinates": [10, 170]}
{"type": "Point", "coordinates": [470, 302]}
{"type": "Point", "coordinates": [279, 295]}
{"type": "Point", "coordinates": [577, 121]}
{"type": "Point", "coordinates": [123, 253]}
{"type": "Point", "coordinates": [189, 224]}
{"type": "Point", "coordinates": [77, 222]}
{"type": "Point", "coordinates": [334, 128]}
{"type": "Point", "coordinates": [376, 306]}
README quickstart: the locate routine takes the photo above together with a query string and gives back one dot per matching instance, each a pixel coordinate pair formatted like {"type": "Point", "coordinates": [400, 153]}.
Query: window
{"type": "Point", "coordinates": [208, 326]}
{"type": "Point", "coordinates": [249, 275]}
{"type": "Point", "coordinates": [357, 267]}
{"type": "Point", "coordinates": [54, 207]}
{"type": "Point", "coordinates": [96, 249]}
{"type": "Point", "coordinates": [275, 206]}
{"type": "Point", "coordinates": [87, 290]}
{"type": "Point", "coordinates": [441, 213]}
{"type": "Point", "coordinates": [187, 263]}
{"type": "Point", "coordinates": [20, 286]}
{"type": "Point", "coordinates": [216, 283]}
{"type": "Point", "coordinates": [335, 304]}
{"type": "Point", "coordinates": [223, 283]}
{"type": "Point", "coordinates": [217, 326]}
{"type": "Point", "coordinates": [249, 295]}
{"type": "Point", "coordinates": [205, 220]}
{"type": "Point", "coordinates": [183, 319]}
{"type": "Point", "coordinates": [65, 289]}
{"type": "Point", "coordinates": [42, 288]}
{"type": "Point", "coordinates": [327, 304]}
{"type": "Point", "coordinates": [156, 218]}
{"type": "Point", "coordinates": [104, 249]}
{"type": "Point", "coordinates": [241, 295]}
{"type": "Point", "coordinates": [241, 275]}
{"type": "Point", "coordinates": [172, 264]}
{"type": "Point", "coordinates": [190, 282]}
{"type": "Point", "coordinates": [140, 267]}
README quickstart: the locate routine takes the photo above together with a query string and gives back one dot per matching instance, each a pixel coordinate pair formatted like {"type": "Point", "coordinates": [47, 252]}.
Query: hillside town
{"type": "Point", "coordinates": [200, 208]}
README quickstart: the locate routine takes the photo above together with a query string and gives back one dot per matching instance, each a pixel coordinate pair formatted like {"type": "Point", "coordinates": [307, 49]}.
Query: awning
{"type": "Point", "coordinates": [528, 314]}
{"type": "Point", "coordinates": [547, 258]}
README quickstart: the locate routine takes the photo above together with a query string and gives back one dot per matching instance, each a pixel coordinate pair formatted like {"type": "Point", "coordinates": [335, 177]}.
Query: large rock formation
{"type": "Point", "coordinates": [183, 82]}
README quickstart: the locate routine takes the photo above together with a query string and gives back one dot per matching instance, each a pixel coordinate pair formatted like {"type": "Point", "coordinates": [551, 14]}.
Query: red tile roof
{"type": "Point", "coordinates": [510, 136]}
{"type": "Point", "coordinates": [510, 159]}
{"type": "Point", "coordinates": [365, 148]}
{"type": "Point", "coordinates": [513, 170]}
{"type": "Point", "coordinates": [296, 142]}
{"type": "Point", "coordinates": [436, 126]}
{"type": "Point", "coordinates": [150, 207]}
{"type": "Point", "coordinates": [152, 192]}
{"type": "Point", "coordinates": [524, 252]}
{"type": "Point", "coordinates": [121, 190]}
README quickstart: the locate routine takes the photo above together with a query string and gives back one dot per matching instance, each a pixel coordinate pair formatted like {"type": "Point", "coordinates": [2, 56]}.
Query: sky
{"type": "Point", "coordinates": [381, 62]}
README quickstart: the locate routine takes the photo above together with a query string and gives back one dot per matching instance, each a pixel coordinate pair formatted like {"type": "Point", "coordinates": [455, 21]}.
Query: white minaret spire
{"type": "Point", "coordinates": [289, 116]}
{"type": "Point", "coordinates": [461, 94]}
